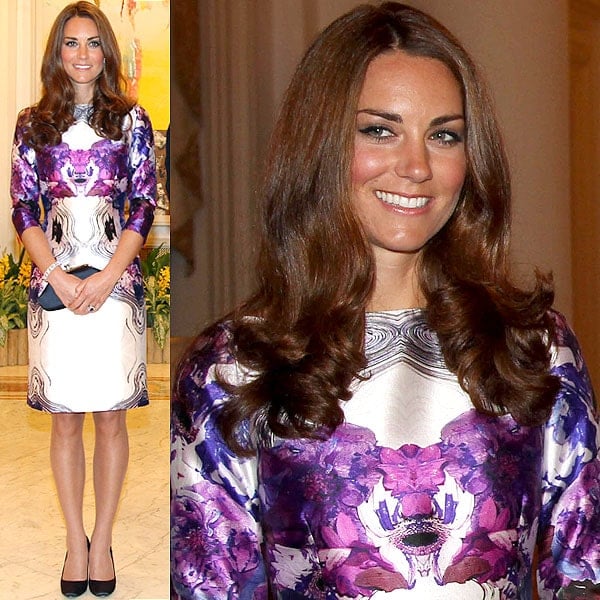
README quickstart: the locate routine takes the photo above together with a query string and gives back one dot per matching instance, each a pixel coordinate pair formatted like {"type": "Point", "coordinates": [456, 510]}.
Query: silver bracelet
{"type": "Point", "coordinates": [49, 270]}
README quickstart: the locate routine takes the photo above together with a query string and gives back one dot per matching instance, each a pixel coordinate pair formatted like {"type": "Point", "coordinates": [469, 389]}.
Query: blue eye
{"type": "Point", "coordinates": [376, 131]}
{"type": "Point", "coordinates": [447, 137]}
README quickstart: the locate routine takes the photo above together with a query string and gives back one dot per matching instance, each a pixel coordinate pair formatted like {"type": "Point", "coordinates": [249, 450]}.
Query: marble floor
{"type": "Point", "coordinates": [31, 526]}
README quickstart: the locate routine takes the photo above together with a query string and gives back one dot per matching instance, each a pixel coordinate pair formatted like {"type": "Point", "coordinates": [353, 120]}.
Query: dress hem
{"type": "Point", "coordinates": [39, 408]}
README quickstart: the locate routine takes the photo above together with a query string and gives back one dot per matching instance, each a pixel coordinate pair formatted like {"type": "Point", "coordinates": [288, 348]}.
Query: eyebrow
{"type": "Point", "coordinates": [72, 37]}
{"type": "Point", "coordinates": [396, 118]}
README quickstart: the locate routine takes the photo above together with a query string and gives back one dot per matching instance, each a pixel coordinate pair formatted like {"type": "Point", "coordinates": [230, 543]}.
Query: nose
{"type": "Point", "coordinates": [413, 161]}
{"type": "Point", "coordinates": [82, 51]}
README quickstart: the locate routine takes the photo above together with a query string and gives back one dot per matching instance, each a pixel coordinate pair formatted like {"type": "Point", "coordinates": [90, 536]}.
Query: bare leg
{"type": "Point", "coordinates": [67, 458]}
{"type": "Point", "coordinates": [111, 454]}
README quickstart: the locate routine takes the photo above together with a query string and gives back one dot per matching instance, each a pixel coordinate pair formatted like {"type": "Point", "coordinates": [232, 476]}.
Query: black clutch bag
{"type": "Point", "coordinates": [48, 299]}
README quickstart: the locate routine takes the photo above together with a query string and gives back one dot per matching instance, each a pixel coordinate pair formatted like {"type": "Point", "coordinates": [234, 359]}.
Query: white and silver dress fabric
{"type": "Point", "coordinates": [85, 185]}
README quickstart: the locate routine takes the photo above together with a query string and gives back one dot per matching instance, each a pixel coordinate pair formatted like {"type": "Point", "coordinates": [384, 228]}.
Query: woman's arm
{"type": "Point", "coordinates": [26, 213]}
{"type": "Point", "coordinates": [37, 247]}
{"type": "Point", "coordinates": [142, 173]}
{"type": "Point", "coordinates": [216, 535]}
{"type": "Point", "coordinates": [569, 525]}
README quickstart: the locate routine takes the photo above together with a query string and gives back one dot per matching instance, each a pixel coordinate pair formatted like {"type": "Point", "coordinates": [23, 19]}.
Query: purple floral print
{"type": "Point", "coordinates": [360, 515]}
{"type": "Point", "coordinates": [122, 173]}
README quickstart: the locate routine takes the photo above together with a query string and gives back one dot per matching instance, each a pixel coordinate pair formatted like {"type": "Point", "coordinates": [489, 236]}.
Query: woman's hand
{"type": "Point", "coordinates": [91, 293]}
{"type": "Point", "coordinates": [82, 296]}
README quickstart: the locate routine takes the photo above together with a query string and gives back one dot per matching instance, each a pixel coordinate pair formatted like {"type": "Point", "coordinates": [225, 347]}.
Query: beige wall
{"type": "Point", "coordinates": [522, 48]}
{"type": "Point", "coordinates": [17, 81]}
{"type": "Point", "coordinates": [23, 30]}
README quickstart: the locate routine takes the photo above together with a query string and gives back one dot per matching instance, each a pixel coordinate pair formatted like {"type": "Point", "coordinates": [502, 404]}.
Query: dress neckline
{"type": "Point", "coordinates": [83, 112]}
{"type": "Point", "coordinates": [395, 311]}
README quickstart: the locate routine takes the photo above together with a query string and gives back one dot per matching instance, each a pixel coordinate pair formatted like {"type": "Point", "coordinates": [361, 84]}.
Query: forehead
{"type": "Point", "coordinates": [397, 75]}
{"type": "Point", "coordinates": [80, 27]}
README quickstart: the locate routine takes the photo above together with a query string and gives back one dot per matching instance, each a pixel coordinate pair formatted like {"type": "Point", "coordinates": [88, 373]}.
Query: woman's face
{"type": "Point", "coordinates": [82, 56]}
{"type": "Point", "coordinates": [409, 154]}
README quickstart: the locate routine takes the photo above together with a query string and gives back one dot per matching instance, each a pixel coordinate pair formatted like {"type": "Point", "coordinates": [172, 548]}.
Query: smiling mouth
{"type": "Point", "coordinates": [402, 201]}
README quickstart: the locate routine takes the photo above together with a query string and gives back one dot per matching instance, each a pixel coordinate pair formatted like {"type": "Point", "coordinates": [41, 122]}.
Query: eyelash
{"type": "Point", "coordinates": [375, 131]}
{"type": "Point", "coordinates": [380, 132]}
{"type": "Point", "coordinates": [455, 138]}
{"type": "Point", "coordinates": [93, 44]}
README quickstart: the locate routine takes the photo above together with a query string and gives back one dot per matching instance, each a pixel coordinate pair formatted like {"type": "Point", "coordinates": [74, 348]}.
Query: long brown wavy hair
{"type": "Point", "coordinates": [53, 114]}
{"type": "Point", "coordinates": [316, 270]}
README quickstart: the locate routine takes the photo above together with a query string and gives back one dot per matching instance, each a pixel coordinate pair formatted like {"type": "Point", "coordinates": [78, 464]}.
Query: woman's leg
{"type": "Point", "coordinates": [67, 458]}
{"type": "Point", "coordinates": [111, 454]}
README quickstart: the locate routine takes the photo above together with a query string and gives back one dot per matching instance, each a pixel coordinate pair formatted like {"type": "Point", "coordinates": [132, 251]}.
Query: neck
{"type": "Point", "coordinates": [84, 94]}
{"type": "Point", "coordinates": [396, 285]}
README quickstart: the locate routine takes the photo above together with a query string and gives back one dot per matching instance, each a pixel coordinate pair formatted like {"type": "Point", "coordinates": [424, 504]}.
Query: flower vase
{"type": "Point", "coordinates": [17, 347]}
{"type": "Point", "coordinates": [4, 354]}
{"type": "Point", "coordinates": [155, 354]}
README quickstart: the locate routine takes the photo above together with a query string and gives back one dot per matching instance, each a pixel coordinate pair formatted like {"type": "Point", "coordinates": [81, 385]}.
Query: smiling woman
{"type": "Point", "coordinates": [83, 190]}
{"type": "Point", "coordinates": [409, 166]}
{"type": "Point", "coordinates": [388, 414]}
{"type": "Point", "coordinates": [82, 57]}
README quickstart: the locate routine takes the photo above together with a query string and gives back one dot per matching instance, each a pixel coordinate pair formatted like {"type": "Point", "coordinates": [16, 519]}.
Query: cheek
{"type": "Point", "coordinates": [454, 182]}
{"type": "Point", "coordinates": [366, 165]}
{"type": "Point", "coordinates": [454, 176]}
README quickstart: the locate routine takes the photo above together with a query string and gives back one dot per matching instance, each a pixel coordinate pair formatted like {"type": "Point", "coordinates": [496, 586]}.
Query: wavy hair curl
{"type": "Point", "coordinates": [53, 114]}
{"type": "Point", "coordinates": [316, 269]}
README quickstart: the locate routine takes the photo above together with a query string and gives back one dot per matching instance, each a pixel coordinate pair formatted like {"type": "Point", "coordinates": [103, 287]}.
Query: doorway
{"type": "Point", "coordinates": [584, 33]}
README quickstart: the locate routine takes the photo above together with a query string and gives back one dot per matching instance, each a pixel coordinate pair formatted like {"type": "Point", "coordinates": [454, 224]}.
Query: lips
{"type": "Point", "coordinates": [402, 201]}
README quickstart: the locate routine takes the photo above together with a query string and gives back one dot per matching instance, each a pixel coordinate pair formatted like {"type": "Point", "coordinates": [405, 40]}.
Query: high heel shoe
{"type": "Point", "coordinates": [103, 588]}
{"type": "Point", "coordinates": [73, 589]}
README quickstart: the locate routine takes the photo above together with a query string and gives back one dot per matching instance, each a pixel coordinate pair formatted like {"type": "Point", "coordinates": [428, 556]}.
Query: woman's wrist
{"type": "Point", "coordinates": [50, 269]}
{"type": "Point", "coordinates": [113, 272]}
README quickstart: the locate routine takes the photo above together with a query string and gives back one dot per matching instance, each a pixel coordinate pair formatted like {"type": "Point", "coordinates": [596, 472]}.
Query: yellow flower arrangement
{"type": "Point", "coordinates": [24, 272]}
{"type": "Point", "coordinates": [156, 270]}
{"type": "Point", "coordinates": [4, 268]}
{"type": "Point", "coordinates": [164, 282]}
{"type": "Point", "coordinates": [14, 292]}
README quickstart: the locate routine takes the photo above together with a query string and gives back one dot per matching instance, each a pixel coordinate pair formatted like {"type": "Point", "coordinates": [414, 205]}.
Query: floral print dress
{"type": "Point", "coordinates": [83, 193]}
{"type": "Point", "coordinates": [415, 495]}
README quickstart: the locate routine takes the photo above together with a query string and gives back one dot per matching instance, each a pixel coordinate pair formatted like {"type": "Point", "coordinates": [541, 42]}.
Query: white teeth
{"type": "Point", "coordinates": [402, 201]}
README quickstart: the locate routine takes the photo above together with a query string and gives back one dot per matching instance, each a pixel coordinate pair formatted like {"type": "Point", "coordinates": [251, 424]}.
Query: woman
{"type": "Point", "coordinates": [388, 414]}
{"type": "Point", "coordinates": [85, 153]}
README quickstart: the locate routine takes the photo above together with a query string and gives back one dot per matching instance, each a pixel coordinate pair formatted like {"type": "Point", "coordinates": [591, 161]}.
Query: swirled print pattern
{"type": "Point", "coordinates": [403, 336]}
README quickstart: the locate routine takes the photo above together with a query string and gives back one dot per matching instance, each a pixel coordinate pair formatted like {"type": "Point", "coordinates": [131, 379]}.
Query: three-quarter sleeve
{"type": "Point", "coordinates": [569, 525]}
{"type": "Point", "coordinates": [215, 510]}
{"type": "Point", "coordinates": [142, 173]}
{"type": "Point", "coordinates": [24, 180]}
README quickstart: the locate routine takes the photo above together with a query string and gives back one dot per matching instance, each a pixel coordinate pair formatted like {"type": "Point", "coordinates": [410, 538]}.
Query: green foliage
{"type": "Point", "coordinates": [156, 269]}
{"type": "Point", "coordinates": [14, 293]}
